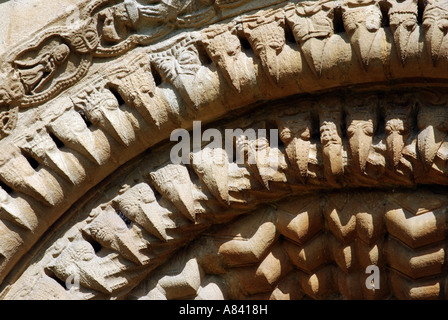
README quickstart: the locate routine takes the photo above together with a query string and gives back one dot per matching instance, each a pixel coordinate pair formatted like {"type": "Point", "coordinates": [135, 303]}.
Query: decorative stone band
{"type": "Point", "coordinates": [390, 142]}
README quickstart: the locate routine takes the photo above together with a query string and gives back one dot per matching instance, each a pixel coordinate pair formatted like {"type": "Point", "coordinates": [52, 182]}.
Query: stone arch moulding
{"type": "Point", "coordinates": [92, 207]}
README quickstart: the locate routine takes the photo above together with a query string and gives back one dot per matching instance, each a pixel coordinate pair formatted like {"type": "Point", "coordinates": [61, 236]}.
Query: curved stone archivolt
{"type": "Point", "coordinates": [357, 93]}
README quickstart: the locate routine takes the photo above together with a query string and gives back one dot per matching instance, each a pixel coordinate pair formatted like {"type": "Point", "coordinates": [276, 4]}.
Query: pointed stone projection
{"type": "Point", "coordinates": [266, 36]}
{"type": "Point", "coordinates": [174, 183]}
{"type": "Point", "coordinates": [102, 109]}
{"type": "Point", "coordinates": [18, 173]}
{"type": "Point", "coordinates": [295, 132]}
{"type": "Point", "coordinates": [266, 163]}
{"type": "Point", "coordinates": [312, 25]}
{"type": "Point", "coordinates": [212, 167]}
{"type": "Point", "coordinates": [224, 48]}
{"type": "Point", "coordinates": [398, 126]}
{"type": "Point", "coordinates": [110, 230]}
{"type": "Point", "coordinates": [137, 86]}
{"type": "Point", "coordinates": [77, 260]}
{"type": "Point", "coordinates": [361, 126]}
{"type": "Point", "coordinates": [403, 20]}
{"type": "Point", "coordinates": [362, 21]}
{"type": "Point", "coordinates": [17, 211]}
{"type": "Point", "coordinates": [139, 204]}
{"type": "Point", "coordinates": [433, 126]}
{"type": "Point", "coordinates": [330, 117]}
{"type": "Point", "coordinates": [435, 29]}
{"type": "Point", "coordinates": [44, 148]}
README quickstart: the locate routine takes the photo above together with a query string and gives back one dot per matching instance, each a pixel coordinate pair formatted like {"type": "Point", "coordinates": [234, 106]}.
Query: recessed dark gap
{"type": "Point", "coordinates": [56, 140]}
{"type": "Point", "coordinates": [385, 14]}
{"type": "Point", "coordinates": [414, 119]}
{"type": "Point", "coordinates": [272, 125]}
{"type": "Point", "coordinates": [95, 244]}
{"type": "Point", "coordinates": [421, 8]}
{"type": "Point", "coordinates": [381, 124]}
{"type": "Point", "coordinates": [156, 75]}
{"type": "Point", "coordinates": [33, 162]}
{"type": "Point", "coordinates": [289, 35]}
{"type": "Point", "coordinates": [344, 123]}
{"type": "Point", "coordinates": [203, 56]}
{"type": "Point", "coordinates": [157, 194]}
{"type": "Point", "coordinates": [245, 44]}
{"type": "Point", "coordinates": [84, 118]}
{"type": "Point", "coordinates": [124, 218]}
{"type": "Point", "coordinates": [315, 127]}
{"type": "Point", "coordinates": [51, 274]}
{"type": "Point", "coordinates": [5, 187]}
{"type": "Point", "coordinates": [5, 121]}
{"type": "Point", "coordinates": [117, 95]}
{"type": "Point", "coordinates": [338, 23]}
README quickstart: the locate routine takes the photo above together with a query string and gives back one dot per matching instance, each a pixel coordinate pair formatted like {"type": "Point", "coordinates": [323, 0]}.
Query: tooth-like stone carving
{"type": "Point", "coordinates": [362, 22]}
{"type": "Point", "coordinates": [403, 16]}
{"type": "Point", "coordinates": [361, 126]}
{"type": "Point", "coordinates": [112, 232]}
{"type": "Point", "coordinates": [77, 260]}
{"type": "Point", "coordinates": [433, 125]}
{"type": "Point", "coordinates": [266, 35]}
{"type": "Point", "coordinates": [17, 211]}
{"type": "Point", "coordinates": [435, 27]}
{"type": "Point", "coordinates": [413, 223]}
{"type": "Point", "coordinates": [136, 85]}
{"type": "Point", "coordinates": [17, 172]}
{"type": "Point", "coordinates": [212, 167]}
{"type": "Point", "coordinates": [330, 117]}
{"type": "Point", "coordinates": [74, 133]}
{"type": "Point", "coordinates": [312, 25]}
{"type": "Point", "coordinates": [224, 48]}
{"type": "Point", "coordinates": [265, 162]}
{"type": "Point", "coordinates": [139, 204]}
{"type": "Point", "coordinates": [181, 66]}
{"type": "Point", "coordinates": [173, 182]}
{"type": "Point", "coordinates": [295, 133]}
{"type": "Point", "coordinates": [299, 220]}
{"type": "Point", "coordinates": [398, 127]}
{"type": "Point", "coordinates": [102, 109]}
{"type": "Point", "coordinates": [45, 149]}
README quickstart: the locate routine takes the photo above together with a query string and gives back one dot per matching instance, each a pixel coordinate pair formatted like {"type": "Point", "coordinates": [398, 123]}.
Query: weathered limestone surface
{"type": "Point", "coordinates": [351, 174]}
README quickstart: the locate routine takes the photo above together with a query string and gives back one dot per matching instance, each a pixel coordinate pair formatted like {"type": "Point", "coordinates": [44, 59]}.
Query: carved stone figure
{"type": "Point", "coordinates": [330, 118]}
{"type": "Point", "coordinates": [77, 260]}
{"type": "Point", "coordinates": [362, 21]}
{"type": "Point", "coordinates": [398, 127]}
{"type": "Point", "coordinates": [225, 50]}
{"type": "Point", "coordinates": [403, 22]}
{"type": "Point", "coordinates": [35, 73]}
{"type": "Point", "coordinates": [263, 34]}
{"type": "Point", "coordinates": [435, 27]}
{"type": "Point", "coordinates": [361, 126]}
{"type": "Point", "coordinates": [295, 133]}
{"type": "Point", "coordinates": [312, 24]}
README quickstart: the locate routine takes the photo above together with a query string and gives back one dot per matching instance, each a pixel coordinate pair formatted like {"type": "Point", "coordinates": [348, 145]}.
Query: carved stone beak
{"type": "Point", "coordinates": [428, 143]}
{"type": "Point", "coordinates": [360, 144]}
{"type": "Point", "coordinates": [118, 125]}
{"type": "Point", "coordinates": [395, 145]}
{"type": "Point", "coordinates": [300, 149]}
{"type": "Point", "coordinates": [273, 64]}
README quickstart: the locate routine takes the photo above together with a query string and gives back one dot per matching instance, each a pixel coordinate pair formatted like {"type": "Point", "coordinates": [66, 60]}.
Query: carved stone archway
{"type": "Point", "coordinates": [93, 207]}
